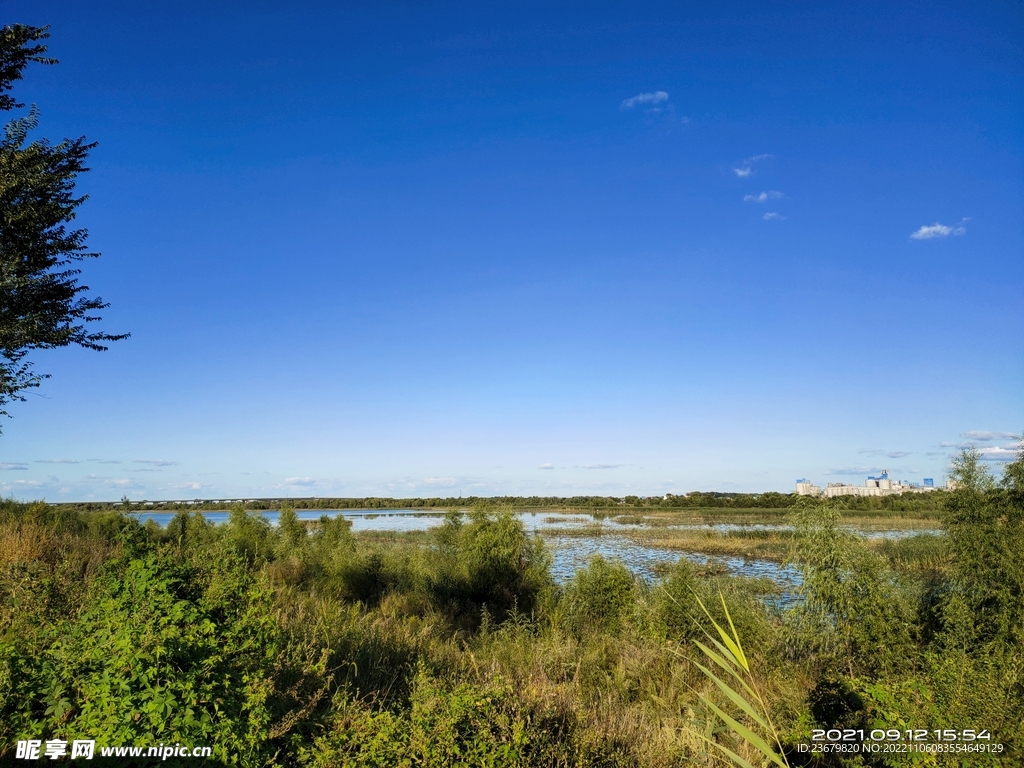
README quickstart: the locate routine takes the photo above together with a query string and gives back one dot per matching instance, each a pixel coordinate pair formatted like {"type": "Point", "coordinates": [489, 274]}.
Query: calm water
{"type": "Point", "coordinates": [570, 552]}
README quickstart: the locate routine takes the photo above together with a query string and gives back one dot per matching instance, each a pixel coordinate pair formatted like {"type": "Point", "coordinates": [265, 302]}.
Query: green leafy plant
{"type": "Point", "coordinates": [729, 656]}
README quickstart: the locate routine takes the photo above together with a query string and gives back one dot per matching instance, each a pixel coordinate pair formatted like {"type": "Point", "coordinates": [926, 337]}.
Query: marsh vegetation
{"type": "Point", "coordinates": [303, 643]}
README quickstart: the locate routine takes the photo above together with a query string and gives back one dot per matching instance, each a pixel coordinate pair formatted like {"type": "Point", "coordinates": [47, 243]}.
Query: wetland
{"type": "Point", "coordinates": [495, 634]}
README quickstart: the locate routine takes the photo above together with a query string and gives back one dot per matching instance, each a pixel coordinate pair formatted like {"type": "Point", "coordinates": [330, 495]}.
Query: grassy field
{"type": "Point", "coordinates": [305, 645]}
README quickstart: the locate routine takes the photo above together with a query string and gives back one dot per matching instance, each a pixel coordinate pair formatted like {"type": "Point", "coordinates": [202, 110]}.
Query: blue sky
{"type": "Point", "coordinates": [439, 248]}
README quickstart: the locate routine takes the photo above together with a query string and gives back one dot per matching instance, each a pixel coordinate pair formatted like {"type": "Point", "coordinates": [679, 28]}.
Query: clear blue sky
{"type": "Point", "coordinates": [441, 248]}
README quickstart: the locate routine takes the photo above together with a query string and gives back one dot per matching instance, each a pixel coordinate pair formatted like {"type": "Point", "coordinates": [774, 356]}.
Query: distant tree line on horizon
{"type": "Point", "coordinates": [910, 502]}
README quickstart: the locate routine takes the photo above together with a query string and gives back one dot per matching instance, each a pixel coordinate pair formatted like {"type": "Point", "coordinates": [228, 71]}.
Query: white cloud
{"type": "Point", "coordinates": [746, 168]}
{"type": "Point", "coordinates": [601, 466]}
{"type": "Point", "coordinates": [442, 482]}
{"type": "Point", "coordinates": [15, 465]}
{"type": "Point", "coordinates": [938, 230]}
{"type": "Point", "coordinates": [983, 436]}
{"type": "Point", "coordinates": [23, 484]}
{"type": "Point", "coordinates": [645, 98]}
{"type": "Point", "coordinates": [56, 461]}
{"type": "Point", "coordinates": [155, 462]}
{"type": "Point", "coordinates": [999, 453]}
{"type": "Point", "coordinates": [773, 216]}
{"type": "Point", "coordinates": [547, 465]}
{"type": "Point", "coordinates": [302, 482]}
{"type": "Point", "coordinates": [770, 194]}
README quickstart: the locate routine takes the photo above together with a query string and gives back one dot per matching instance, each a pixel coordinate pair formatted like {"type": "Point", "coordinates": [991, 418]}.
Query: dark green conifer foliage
{"type": "Point", "coordinates": [42, 305]}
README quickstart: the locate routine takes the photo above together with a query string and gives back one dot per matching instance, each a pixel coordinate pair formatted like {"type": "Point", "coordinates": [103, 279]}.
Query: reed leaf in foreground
{"type": "Point", "coordinates": [728, 655]}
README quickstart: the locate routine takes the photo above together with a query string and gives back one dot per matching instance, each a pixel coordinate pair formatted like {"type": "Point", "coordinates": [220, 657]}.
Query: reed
{"type": "Point", "coordinates": [729, 656]}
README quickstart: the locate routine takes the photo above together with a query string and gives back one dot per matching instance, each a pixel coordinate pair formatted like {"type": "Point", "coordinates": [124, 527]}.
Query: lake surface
{"type": "Point", "coordinates": [573, 538]}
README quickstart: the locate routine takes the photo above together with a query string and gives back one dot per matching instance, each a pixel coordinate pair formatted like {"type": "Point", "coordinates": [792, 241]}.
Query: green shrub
{"type": "Point", "coordinates": [599, 598]}
{"type": "Point", "coordinates": [985, 529]}
{"type": "Point", "coordinates": [249, 534]}
{"type": "Point", "coordinates": [291, 531]}
{"type": "Point", "coordinates": [165, 651]}
{"type": "Point", "coordinates": [854, 616]}
{"type": "Point", "coordinates": [675, 611]}
{"type": "Point", "coordinates": [487, 564]}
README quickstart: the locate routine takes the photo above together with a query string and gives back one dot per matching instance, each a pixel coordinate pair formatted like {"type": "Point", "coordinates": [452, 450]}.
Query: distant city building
{"type": "Point", "coordinates": [882, 485]}
{"type": "Point", "coordinates": [806, 488]}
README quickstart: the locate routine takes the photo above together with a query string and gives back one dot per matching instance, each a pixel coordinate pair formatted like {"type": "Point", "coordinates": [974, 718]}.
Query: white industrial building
{"type": "Point", "coordinates": [882, 485]}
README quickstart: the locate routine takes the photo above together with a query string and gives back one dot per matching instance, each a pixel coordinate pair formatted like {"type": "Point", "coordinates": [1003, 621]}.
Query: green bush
{"type": "Point", "coordinates": [855, 616]}
{"type": "Point", "coordinates": [985, 529]}
{"type": "Point", "coordinates": [599, 598]}
{"type": "Point", "coordinates": [165, 651]}
{"type": "Point", "coordinates": [675, 611]}
{"type": "Point", "coordinates": [488, 564]}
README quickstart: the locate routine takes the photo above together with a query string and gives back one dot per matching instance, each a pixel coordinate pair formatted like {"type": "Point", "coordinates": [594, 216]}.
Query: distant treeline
{"type": "Point", "coordinates": [905, 502]}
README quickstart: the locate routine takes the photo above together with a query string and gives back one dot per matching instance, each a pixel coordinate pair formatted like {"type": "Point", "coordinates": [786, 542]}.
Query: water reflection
{"type": "Point", "coordinates": [646, 560]}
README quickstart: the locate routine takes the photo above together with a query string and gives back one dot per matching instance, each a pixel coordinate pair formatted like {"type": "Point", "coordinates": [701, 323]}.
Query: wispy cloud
{"type": "Point", "coordinates": [930, 232]}
{"type": "Point", "coordinates": [854, 470]}
{"type": "Point", "coordinates": [440, 482]}
{"type": "Point", "coordinates": [656, 97]}
{"type": "Point", "coordinates": [601, 466]}
{"type": "Point", "coordinates": [23, 484]}
{"type": "Point", "coordinates": [883, 452]}
{"type": "Point", "coordinates": [14, 465]}
{"type": "Point", "coordinates": [773, 216]}
{"type": "Point", "coordinates": [191, 486]}
{"type": "Point", "coordinates": [302, 482]}
{"type": "Point", "coordinates": [746, 169]}
{"type": "Point", "coordinates": [155, 462]}
{"type": "Point", "coordinates": [976, 439]}
{"type": "Point", "coordinates": [770, 194]}
{"type": "Point", "coordinates": [56, 461]}
{"type": "Point", "coordinates": [548, 465]}
{"type": "Point", "coordinates": [983, 436]}
{"type": "Point", "coordinates": [121, 483]}
{"type": "Point", "coordinates": [104, 461]}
